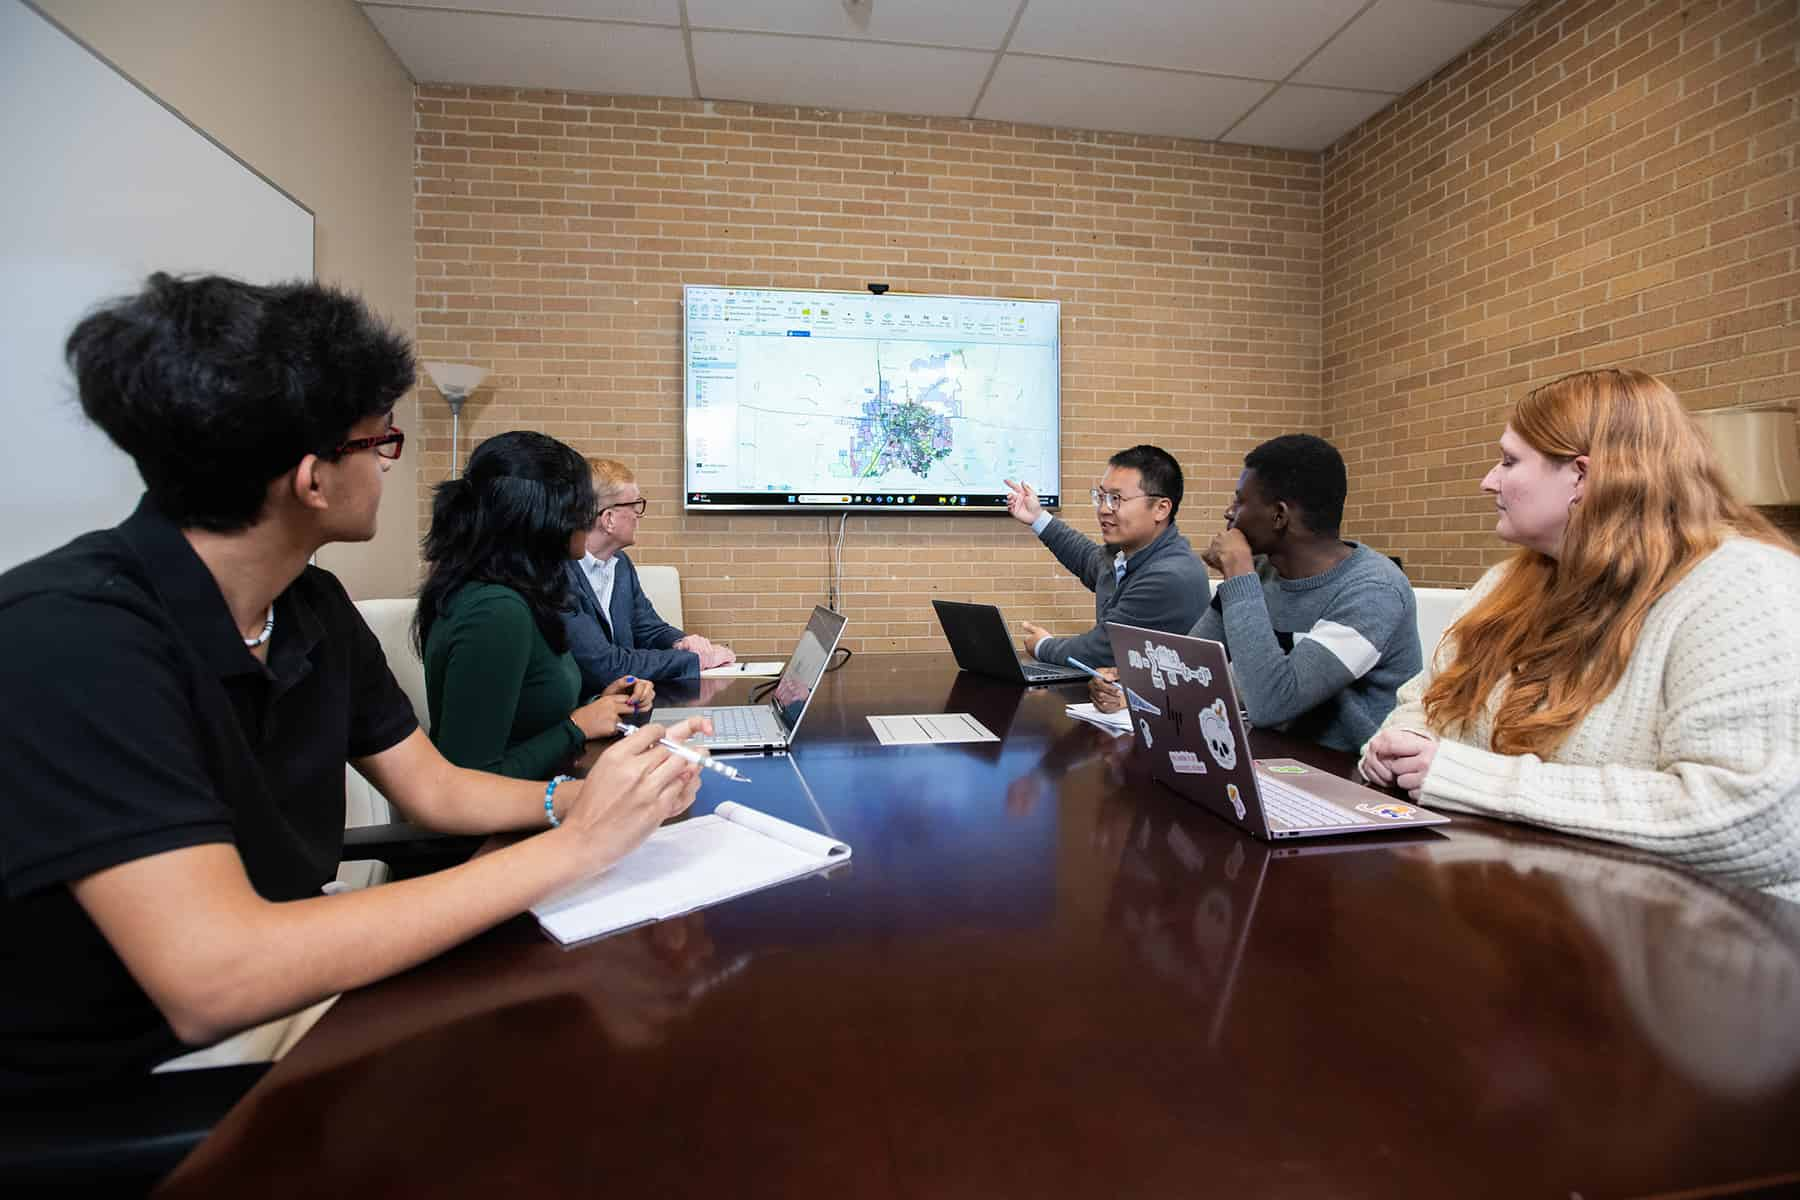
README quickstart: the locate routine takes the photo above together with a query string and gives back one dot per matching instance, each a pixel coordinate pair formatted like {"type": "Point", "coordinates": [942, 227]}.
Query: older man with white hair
{"type": "Point", "coordinates": [614, 630]}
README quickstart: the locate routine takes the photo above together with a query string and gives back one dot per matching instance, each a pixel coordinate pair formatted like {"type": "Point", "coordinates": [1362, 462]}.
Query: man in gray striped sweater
{"type": "Point", "coordinates": [1321, 632]}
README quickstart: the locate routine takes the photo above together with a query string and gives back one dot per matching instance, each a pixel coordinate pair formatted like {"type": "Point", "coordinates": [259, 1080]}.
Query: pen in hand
{"type": "Point", "coordinates": [705, 761]}
{"type": "Point", "coordinates": [1081, 666]}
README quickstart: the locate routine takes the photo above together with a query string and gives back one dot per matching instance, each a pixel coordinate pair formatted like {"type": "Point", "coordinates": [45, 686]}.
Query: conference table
{"type": "Point", "coordinates": [1041, 974]}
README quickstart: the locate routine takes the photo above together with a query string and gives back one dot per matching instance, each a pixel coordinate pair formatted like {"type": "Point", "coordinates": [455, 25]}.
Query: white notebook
{"type": "Point", "coordinates": [679, 868]}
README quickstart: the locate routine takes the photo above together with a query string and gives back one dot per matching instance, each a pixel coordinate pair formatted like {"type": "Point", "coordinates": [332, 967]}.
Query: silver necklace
{"type": "Point", "coordinates": [266, 634]}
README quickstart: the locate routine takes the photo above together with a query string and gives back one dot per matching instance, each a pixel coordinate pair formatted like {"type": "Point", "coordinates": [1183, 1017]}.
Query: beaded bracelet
{"type": "Point", "coordinates": [550, 799]}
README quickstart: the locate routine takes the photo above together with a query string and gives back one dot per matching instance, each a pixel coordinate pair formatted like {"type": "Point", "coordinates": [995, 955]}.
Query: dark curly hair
{"type": "Point", "coordinates": [508, 520]}
{"type": "Point", "coordinates": [216, 387]}
{"type": "Point", "coordinates": [1308, 473]}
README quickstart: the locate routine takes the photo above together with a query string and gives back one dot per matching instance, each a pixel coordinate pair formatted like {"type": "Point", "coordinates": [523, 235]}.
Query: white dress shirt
{"type": "Point", "coordinates": [600, 573]}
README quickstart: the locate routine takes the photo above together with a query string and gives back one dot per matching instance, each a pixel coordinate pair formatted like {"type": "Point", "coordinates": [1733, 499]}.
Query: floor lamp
{"type": "Point", "coordinates": [1758, 451]}
{"type": "Point", "coordinates": [455, 381]}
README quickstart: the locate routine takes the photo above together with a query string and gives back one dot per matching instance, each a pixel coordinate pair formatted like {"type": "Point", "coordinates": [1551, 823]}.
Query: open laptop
{"type": "Point", "coordinates": [977, 636]}
{"type": "Point", "coordinates": [1184, 715]}
{"type": "Point", "coordinates": [772, 724]}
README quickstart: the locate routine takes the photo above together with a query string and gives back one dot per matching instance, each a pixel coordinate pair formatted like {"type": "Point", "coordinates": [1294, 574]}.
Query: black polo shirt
{"type": "Point", "coordinates": [136, 722]}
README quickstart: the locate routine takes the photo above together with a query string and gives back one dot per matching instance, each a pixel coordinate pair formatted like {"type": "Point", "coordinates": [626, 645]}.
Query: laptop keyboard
{"type": "Point", "coordinates": [1296, 809]}
{"type": "Point", "coordinates": [1039, 671]}
{"type": "Point", "coordinates": [729, 724]}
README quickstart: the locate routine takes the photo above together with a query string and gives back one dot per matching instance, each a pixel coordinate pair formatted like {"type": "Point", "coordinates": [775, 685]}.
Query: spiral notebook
{"type": "Point", "coordinates": [702, 861]}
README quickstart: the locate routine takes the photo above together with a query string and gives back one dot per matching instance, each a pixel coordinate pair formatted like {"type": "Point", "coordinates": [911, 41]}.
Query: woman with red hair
{"type": "Point", "coordinates": [1632, 673]}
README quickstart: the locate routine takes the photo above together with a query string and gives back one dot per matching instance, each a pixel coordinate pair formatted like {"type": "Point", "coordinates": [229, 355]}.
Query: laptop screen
{"type": "Point", "coordinates": [806, 666]}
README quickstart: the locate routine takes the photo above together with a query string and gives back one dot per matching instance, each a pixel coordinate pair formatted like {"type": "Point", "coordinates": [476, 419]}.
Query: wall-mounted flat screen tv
{"type": "Point", "coordinates": [801, 401]}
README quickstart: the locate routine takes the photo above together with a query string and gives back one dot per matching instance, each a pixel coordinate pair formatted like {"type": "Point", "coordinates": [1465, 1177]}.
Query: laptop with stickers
{"type": "Point", "coordinates": [1184, 715]}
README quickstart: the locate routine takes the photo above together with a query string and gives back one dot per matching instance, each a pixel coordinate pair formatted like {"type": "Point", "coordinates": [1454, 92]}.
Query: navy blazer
{"type": "Point", "coordinates": [631, 639]}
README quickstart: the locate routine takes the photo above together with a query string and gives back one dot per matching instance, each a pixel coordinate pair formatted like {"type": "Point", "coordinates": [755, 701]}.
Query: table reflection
{"type": "Point", "coordinates": [1678, 948]}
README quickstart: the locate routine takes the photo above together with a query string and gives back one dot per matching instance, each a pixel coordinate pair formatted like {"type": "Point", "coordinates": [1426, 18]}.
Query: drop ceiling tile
{"type": "Point", "coordinates": [1399, 42]}
{"type": "Point", "coordinates": [1049, 91]}
{"type": "Point", "coordinates": [824, 73]}
{"type": "Point", "coordinates": [976, 24]}
{"type": "Point", "coordinates": [504, 51]}
{"type": "Point", "coordinates": [1307, 118]}
{"type": "Point", "coordinates": [1262, 40]}
{"type": "Point", "coordinates": [654, 12]}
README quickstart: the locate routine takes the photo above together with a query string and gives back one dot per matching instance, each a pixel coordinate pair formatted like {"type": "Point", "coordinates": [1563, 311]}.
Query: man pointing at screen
{"type": "Point", "coordinates": [1144, 574]}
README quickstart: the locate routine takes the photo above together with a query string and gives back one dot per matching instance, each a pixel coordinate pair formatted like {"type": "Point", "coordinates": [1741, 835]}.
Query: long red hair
{"type": "Point", "coordinates": [1558, 632]}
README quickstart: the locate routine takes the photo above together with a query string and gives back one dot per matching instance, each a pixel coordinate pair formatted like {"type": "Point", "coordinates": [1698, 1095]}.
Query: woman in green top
{"type": "Point", "coordinates": [502, 689]}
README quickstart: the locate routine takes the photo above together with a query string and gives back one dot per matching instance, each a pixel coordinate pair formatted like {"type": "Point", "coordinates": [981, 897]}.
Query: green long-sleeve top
{"type": "Point", "coordinates": [499, 697]}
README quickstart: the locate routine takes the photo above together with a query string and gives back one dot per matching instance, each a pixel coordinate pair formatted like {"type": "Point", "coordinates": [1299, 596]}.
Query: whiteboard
{"type": "Point", "coordinates": [105, 184]}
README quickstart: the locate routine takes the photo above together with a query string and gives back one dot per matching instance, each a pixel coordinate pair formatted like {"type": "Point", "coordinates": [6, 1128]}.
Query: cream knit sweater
{"type": "Point", "coordinates": [1695, 754]}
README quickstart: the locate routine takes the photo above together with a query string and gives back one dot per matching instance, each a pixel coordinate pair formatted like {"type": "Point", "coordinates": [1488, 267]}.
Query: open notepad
{"type": "Point", "coordinates": [683, 867]}
{"type": "Point", "coordinates": [1117, 723]}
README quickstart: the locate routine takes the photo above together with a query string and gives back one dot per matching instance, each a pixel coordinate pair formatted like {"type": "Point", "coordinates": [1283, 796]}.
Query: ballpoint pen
{"type": "Point", "coordinates": [1081, 666]}
{"type": "Point", "coordinates": [706, 761]}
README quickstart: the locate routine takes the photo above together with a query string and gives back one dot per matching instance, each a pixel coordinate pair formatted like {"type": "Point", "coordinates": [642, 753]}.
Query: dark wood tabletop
{"type": "Point", "coordinates": [1042, 974]}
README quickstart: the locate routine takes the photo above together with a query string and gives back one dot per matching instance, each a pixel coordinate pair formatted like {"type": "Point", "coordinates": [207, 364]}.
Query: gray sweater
{"type": "Point", "coordinates": [1164, 588]}
{"type": "Point", "coordinates": [1321, 657]}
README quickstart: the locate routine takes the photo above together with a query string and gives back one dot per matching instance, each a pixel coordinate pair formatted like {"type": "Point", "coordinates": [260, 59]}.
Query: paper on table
{"type": "Point", "coordinates": [745, 669]}
{"type": "Point", "coordinates": [687, 866]}
{"type": "Point", "coordinates": [929, 729]}
{"type": "Point", "coordinates": [1117, 722]}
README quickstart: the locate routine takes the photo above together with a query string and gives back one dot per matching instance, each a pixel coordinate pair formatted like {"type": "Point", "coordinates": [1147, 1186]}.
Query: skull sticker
{"type": "Point", "coordinates": [1215, 727]}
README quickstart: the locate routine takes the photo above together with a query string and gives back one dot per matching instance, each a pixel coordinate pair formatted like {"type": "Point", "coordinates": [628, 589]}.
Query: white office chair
{"type": "Point", "coordinates": [391, 623]}
{"type": "Point", "coordinates": [662, 586]}
{"type": "Point", "coordinates": [1437, 607]}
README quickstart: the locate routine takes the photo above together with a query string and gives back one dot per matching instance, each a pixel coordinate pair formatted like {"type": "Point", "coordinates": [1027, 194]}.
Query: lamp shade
{"type": "Point", "coordinates": [1759, 451]}
{"type": "Point", "coordinates": [455, 380]}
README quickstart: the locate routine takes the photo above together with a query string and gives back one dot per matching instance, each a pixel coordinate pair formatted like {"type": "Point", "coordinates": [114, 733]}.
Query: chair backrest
{"type": "Point", "coordinates": [662, 585]}
{"type": "Point", "coordinates": [1436, 608]}
{"type": "Point", "coordinates": [391, 623]}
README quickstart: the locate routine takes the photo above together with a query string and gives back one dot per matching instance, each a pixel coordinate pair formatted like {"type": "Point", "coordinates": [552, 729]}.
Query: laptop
{"type": "Point", "coordinates": [977, 636]}
{"type": "Point", "coordinates": [1184, 715]}
{"type": "Point", "coordinates": [773, 724]}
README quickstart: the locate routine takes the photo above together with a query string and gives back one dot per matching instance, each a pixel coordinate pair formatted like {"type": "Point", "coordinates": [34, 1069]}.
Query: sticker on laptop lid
{"type": "Point", "coordinates": [1237, 799]}
{"type": "Point", "coordinates": [1138, 704]}
{"type": "Point", "coordinates": [1390, 810]}
{"type": "Point", "coordinates": [1165, 660]}
{"type": "Point", "coordinates": [1186, 762]}
{"type": "Point", "coordinates": [1144, 728]}
{"type": "Point", "coordinates": [1215, 728]}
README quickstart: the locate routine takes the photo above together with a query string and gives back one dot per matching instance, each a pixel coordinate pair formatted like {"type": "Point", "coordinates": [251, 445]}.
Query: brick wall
{"type": "Point", "coordinates": [555, 231]}
{"type": "Point", "coordinates": [1597, 184]}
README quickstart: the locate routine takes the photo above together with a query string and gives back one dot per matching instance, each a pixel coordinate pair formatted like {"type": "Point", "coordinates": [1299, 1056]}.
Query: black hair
{"type": "Point", "coordinates": [1307, 472]}
{"type": "Point", "coordinates": [508, 520]}
{"type": "Point", "coordinates": [216, 387]}
{"type": "Point", "coordinates": [1160, 473]}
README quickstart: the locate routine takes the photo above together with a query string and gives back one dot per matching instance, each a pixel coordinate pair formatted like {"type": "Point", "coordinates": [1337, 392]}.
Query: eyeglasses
{"type": "Point", "coordinates": [1110, 501]}
{"type": "Point", "coordinates": [637, 506]}
{"type": "Point", "coordinates": [387, 445]}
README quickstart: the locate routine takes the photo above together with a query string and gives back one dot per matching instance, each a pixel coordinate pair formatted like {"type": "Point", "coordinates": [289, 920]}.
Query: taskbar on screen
{"type": "Point", "coordinates": [912, 501]}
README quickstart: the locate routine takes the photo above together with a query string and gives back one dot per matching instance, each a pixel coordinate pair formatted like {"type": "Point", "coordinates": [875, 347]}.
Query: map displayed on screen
{"type": "Point", "coordinates": [850, 400]}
